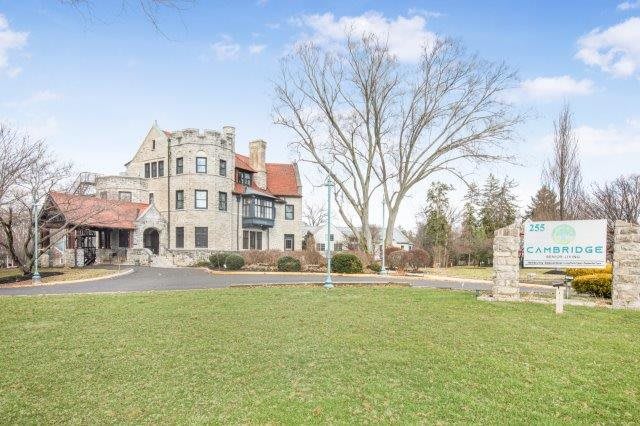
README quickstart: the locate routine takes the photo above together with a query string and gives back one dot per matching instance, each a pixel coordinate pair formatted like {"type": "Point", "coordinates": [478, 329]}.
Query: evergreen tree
{"type": "Point", "coordinates": [544, 205]}
{"type": "Point", "coordinates": [498, 204]}
{"type": "Point", "coordinates": [435, 232]}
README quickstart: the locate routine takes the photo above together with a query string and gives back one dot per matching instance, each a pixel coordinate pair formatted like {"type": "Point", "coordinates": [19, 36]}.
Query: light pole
{"type": "Point", "coordinates": [383, 270]}
{"type": "Point", "coordinates": [36, 249]}
{"type": "Point", "coordinates": [327, 282]}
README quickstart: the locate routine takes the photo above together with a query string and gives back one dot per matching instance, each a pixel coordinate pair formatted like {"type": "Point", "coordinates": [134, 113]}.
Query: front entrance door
{"type": "Point", "coordinates": [151, 240]}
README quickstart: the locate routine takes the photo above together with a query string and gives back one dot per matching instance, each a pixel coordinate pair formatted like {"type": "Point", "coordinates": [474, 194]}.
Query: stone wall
{"type": "Point", "coordinates": [506, 262]}
{"type": "Point", "coordinates": [73, 257]}
{"type": "Point", "coordinates": [626, 266]}
{"type": "Point", "coordinates": [139, 256]}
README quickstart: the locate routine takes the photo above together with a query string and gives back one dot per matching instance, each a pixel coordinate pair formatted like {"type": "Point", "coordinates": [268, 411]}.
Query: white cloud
{"type": "Point", "coordinates": [255, 49]}
{"type": "Point", "coordinates": [609, 141]}
{"type": "Point", "coordinates": [615, 50]}
{"type": "Point", "coordinates": [406, 36]}
{"type": "Point", "coordinates": [551, 88]}
{"type": "Point", "coordinates": [628, 5]}
{"type": "Point", "coordinates": [426, 13]}
{"type": "Point", "coordinates": [226, 49]}
{"type": "Point", "coordinates": [36, 98]}
{"type": "Point", "coordinates": [596, 142]}
{"type": "Point", "coordinates": [9, 40]}
{"type": "Point", "coordinates": [14, 72]}
{"type": "Point", "coordinates": [262, 3]}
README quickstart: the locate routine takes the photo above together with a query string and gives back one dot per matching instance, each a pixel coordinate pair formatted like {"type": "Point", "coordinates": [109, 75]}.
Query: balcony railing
{"type": "Point", "coordinates": [258, 213]}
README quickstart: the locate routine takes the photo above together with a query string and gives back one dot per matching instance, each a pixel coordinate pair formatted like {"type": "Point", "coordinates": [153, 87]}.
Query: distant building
{"type": "Point", "coordinates": [343, 239]}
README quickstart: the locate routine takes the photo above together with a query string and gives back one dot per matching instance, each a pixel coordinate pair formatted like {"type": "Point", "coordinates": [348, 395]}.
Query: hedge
{"type": "Point", "coordinates": [346, 263]}
{"type": "Point", "coordinates": [289, 264]}
{"type": "Point", "coordinates": [598, 285]}
{"type": "Point", "coordinates": [234, 262]}
{"type": "Point", "coordinates": [217, 260]}
{"type": "Point", "coordinates": [409, 259]}
{"type": "Point", "coordinates": [375, 267]}
{"type": "Point", "coordinates": [575, 272]}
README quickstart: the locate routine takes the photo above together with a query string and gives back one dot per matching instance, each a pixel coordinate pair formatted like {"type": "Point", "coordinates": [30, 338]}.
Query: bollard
{"type": "Point", "coordinates": [559, 297]}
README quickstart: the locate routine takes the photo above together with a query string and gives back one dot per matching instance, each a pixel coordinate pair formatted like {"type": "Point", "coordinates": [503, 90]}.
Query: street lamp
{"type": "Point", "coordinates": [327, 282]}
{"type": "Point", "coordinates": [383, 270]}
{"type": "Point", "coordinates": [36, 244]}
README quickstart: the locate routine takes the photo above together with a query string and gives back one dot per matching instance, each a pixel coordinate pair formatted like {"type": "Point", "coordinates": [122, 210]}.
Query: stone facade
{"type": "Point", "coordinates": [173, 159]}
{"type": "Point", "coordinates": [626, 266]}
{"type": "Point", "coordinates": [506, 262]}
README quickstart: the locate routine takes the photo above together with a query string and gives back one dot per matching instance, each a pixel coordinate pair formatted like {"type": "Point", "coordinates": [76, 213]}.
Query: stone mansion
{"type": "Point", "coordinates": [184, 194]}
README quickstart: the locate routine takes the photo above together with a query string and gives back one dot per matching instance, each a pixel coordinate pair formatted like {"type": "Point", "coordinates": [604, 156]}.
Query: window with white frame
{"type": "Point", "coordinates": [201, 199]}
{"type": "Point", "coordinates": [201, 164]}
{"type": "Point", "coordinates": [288, 242]}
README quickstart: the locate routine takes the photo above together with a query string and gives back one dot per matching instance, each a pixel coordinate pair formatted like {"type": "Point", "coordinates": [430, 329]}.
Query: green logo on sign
{"type": "Point", "coordinates": [563, 234]}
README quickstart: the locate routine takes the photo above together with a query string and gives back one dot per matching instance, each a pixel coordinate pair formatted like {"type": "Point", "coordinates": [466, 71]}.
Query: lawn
{"type": "Point", "coordinates": [528, 275]}
{"type": "Point", "coordinates": [307, 355]}
{"type": "Point", "coordinates": [10, 276]}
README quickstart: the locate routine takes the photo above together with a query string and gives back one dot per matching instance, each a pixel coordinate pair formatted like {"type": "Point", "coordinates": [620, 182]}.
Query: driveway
{"type": "Point", "coordinates": [160, 279]}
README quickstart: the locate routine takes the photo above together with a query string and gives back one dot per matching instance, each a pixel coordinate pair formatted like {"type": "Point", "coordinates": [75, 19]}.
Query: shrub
{"type": "Point", "coordinates": [217, 260]}
{"type": "Point", "coordinates": [598, 285]}
{"type": "Point", "coordinates": [234, 262]}
{"type": "Point", "coordinates": [201, 263]}
{"type": "Point", "coordinates": [417, 258]}
{"type": "Point", "coordinates": [575, 272]}
{"type": "Point", "coordinates": [391, 249]}
{"type": "Point", "coordinates": [289, 264]}
{"type": "Point", "coordinates": [375, 267]}
{"type": "Point", "coordinates": [312, 257]}
{"type": "Point", "coordinates": [409, 259]}
{"type": "Point", "coordinates": [261, 257]}
{"type": "Point", "coordinates": [396, 260]}
{"type": "Point", "coordinates": [346, 263]}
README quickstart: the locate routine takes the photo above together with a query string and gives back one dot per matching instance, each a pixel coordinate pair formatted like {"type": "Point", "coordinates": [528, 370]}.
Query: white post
{"type": "Point", "coordinates": [559, 298]}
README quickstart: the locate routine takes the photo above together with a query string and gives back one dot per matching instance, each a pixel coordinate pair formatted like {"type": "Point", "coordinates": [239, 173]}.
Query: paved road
{"type": "Point", "coordinates": [148, 279]}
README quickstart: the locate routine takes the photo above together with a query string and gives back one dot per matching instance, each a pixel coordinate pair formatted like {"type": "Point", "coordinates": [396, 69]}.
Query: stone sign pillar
{"type": "Point", "coordinates": [626, 266]}
{"type": "Point", "coordinates": [506, 262]}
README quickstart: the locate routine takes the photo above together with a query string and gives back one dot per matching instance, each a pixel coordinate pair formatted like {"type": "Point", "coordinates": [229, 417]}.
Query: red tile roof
{"type": "Point", "coordinates": [241, 189]}
{"type": "Point", "coordinates": [282, 180]}
{"type": "Point", "coordinates": [97, 212]}
{"type": "Point", "coordinates": [243, 162]}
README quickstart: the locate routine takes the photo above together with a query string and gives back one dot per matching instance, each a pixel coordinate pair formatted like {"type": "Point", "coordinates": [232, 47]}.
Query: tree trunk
{"type": "Point", "coordinates": [391, 223]}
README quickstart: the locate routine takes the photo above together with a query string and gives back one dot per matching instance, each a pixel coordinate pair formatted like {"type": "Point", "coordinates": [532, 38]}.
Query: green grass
{"type": "Point", "coordinates": [532, 275]}
{"type": "Point", "coordinates": [10, 276]}
{"type": "Point", "coordinates": [292, 355]}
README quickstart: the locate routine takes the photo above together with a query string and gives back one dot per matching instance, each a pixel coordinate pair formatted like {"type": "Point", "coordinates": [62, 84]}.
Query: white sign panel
{"type": "Point", "coordinates": [565, 244]}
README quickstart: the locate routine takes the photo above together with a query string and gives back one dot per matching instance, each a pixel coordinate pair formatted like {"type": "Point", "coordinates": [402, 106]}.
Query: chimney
{"type": "Point", "coordinates": [257, 153]}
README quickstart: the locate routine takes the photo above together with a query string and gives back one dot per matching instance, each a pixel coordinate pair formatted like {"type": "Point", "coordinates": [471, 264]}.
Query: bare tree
{"type": "Point", "coordinates": [314, 214]}
{"type": "Point", "coordinates": [616, 200]}
{"type": "Point", "coordinates": [562, 173]}
{"type": "Point", "coordinates": [370, 122]}
{"type": "Point", "coordinates": [149, 8]}
{"type": "Point", "coordinates": [29, 172]}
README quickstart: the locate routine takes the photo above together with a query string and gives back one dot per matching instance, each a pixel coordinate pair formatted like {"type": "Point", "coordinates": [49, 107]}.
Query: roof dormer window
{"type": "Point", "coordinates": [244, 178]}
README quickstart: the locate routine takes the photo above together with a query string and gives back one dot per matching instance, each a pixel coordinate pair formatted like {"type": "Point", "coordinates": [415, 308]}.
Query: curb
{"type": "Point", "coordinates": [84, 280]}
{"type": "Point", "coordinates": [317, 284]}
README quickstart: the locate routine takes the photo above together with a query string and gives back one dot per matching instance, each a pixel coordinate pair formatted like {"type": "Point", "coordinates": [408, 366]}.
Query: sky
{"type": "Point", "coordinates": [92, 79]}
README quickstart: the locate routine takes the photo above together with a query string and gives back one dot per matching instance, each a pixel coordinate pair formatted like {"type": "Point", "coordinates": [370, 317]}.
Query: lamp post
{"type": "Point", "coordinates": [383, 270]}
{"type": "Point", "coordinates": [36, 244]}
{"type": "Point", "coordinates": [327, 282]}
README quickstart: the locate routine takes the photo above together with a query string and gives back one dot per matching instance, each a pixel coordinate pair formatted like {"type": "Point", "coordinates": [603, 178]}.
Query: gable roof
{"type": "Point", "coordinates": [243, 163]}
{"type": "Point", "coordinates": [282, 180]}
{"type": "Point", "coordinates": [97, 212]}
